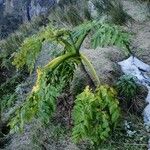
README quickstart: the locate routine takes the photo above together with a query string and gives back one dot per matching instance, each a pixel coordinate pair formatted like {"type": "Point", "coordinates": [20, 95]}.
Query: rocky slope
{"type": "Point", "coordinates": [26, 8]}
{"type": "Point", "coordinates": [105, 63]}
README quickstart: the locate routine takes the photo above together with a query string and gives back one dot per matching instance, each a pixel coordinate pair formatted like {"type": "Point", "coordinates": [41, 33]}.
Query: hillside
{"type": "Point", "coordinates": [62, 87]}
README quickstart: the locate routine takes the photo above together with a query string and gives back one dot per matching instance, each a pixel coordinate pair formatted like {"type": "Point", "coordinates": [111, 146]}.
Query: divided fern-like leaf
{"type": "Point", "coordinates": [109, 35]}
{"type": "Point", "coordinates": [41, 103]}
{"type": "Point", "coordinates": [104, 34]}
{"type": "Point", "coordinates": [29, 52]}
{"type": "Point", "coordinates": [94, 114]}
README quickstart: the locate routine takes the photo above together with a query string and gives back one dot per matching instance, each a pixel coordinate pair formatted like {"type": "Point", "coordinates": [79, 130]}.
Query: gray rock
{"type": "Point", "coordinates": [104, 61]}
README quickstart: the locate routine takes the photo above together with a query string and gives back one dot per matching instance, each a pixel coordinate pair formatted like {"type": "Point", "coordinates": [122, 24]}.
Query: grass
{"type": "Point", "coordinates": [70, 13]}
{"type": "Point", "coordinates": [113, 9]}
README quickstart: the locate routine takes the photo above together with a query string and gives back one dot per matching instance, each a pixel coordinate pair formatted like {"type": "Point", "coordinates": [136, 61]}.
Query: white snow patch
{"type": "Point", "coordinates": [135, 67]}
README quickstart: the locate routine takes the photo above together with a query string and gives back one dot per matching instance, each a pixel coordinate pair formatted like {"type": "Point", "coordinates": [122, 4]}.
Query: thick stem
{"type": "Point", "coordinates": [93, 72]}
{"type": "Point", "coordinates": [80, 41]}
{"type": "Point", "coordinates": [73, 43]}
{"type": "Point", "coordinates": [67, 44]}
{"type": "Point", "coordinates": [51, 66]}
{"type": "Point", "coordinates": [91, 82]}
{"type": "Point", "coordinates": [55, 62]}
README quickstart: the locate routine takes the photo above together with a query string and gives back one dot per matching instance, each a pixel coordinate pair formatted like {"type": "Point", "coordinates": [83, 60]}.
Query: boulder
{"type": "Point", "coordinates": [104, 61]}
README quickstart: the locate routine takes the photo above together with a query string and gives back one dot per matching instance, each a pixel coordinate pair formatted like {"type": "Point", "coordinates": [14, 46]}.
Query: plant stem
{"type": "Point", "coordinates": [91, 82]}
{"type": "Point", "coordinates": [80, 41]}
{"type": "Point", "coordinates": [55, 62]}
{"type": "Point", "coordinates": [73, 43]}
{"type": "Point", "coordinates": [93, 72]}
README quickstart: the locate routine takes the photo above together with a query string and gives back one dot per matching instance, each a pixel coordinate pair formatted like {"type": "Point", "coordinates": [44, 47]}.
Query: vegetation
{"type": "Point", "coordinates": [58, 74]}
{"type": "Point", "coordinates": [67, 12]}
{"type": "Point", "coordinates": [94, 112]}
{"type": "Point", "coordinates": [127, 89]}
{"type": "Point", "coordinates": [8, 47]}
{"type": "Point", "coordinates": [7, 91]}
{"type": "Point", "coordinates": [11, 44]}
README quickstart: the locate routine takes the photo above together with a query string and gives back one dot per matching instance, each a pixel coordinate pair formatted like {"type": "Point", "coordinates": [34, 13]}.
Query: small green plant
{"type": "Point", "coordinates": [7, 92]}
{"type": "Point", "coordinates": [127, 90]}
{"type": "Point", "coordinates": [127, 87]}
{"type": "Point", "coordinates": [95, 114]}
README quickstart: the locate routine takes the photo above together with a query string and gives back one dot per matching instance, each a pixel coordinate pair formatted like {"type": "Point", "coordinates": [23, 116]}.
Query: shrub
{"type": "Point", "coordinates": [8, 47]}
{"type": "Point", "coordinates": [8, 101]}
{"type": "Point", "coordinates": [127, 87]}
{"type": "Point", "coordinates": [7, 90]}
{"type": "Point", "coordinates": [31, 45]}
{"type": "Point", "coordinates": [128, 90]}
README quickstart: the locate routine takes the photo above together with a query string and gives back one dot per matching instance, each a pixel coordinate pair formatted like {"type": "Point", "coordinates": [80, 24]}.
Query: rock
{"type": "Point", "coordinates": [135, 67]}
{"type": "Point", "coordinates": [27, 9]}
{"type": "Point", "coordinates": [136, 9]}
{"type": "Point", "coordinates": [104, 61]}
{"type": "Point", "coordinates": [141, 42]}
{"type": "Point", "coordinates": [38, 7]}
